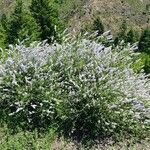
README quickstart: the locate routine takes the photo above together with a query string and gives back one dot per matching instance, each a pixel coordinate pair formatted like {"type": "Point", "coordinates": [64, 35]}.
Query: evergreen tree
{"type": "Point", "coordinates": [15, 22]}
{"type": "Point", "coordinates": [98, 26]}
{"type": "Point", "coordinates": [123, 30]}
{"type": "Point", "coordinates": [116, 41]}
{"type": "Point", "coordinates": [2, 36]}
{"type": "Point", "coordinates": [144, 43]}
{"type": "Point", "coordinates": [122, 35]}
{"type": "Point", "coordinates": [22, 26]}
{"type": "Point", "coordinates": [131, 37]}
{"type": "Point", "coordinates": [3, 30]}
{"type": "Point", "coordinates": [4, 21]}
{"type": "Point", "coordinates": [147, 64]}
{"type": "Point", "coordinates": [30, 31]}
{"type": "Point", "coordinates": [47, 18]}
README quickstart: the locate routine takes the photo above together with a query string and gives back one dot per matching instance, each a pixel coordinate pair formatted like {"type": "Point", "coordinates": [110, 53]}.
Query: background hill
{"type": "Point", "coordinates": [78, 14]}
{"type": "Point", "coordinates": [112, 13]}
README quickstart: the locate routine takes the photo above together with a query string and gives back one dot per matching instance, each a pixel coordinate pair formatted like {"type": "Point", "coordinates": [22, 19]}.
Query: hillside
{"type": "Point", "coordinates": [79, 13]}
{"type": "Point", "coordinates": [112, 12]}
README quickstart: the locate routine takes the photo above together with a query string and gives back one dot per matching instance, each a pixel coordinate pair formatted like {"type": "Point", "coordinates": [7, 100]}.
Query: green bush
{"type": "Point", "coordinates": [81, 87]}
{"type": "Point", "coordinates": [142, 64]}
{"type": "Point", "coordinates": [144, 43]}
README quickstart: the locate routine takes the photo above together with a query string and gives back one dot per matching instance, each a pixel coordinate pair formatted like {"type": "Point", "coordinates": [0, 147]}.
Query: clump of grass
{"type": "Point", "coordinates": [27, 140]}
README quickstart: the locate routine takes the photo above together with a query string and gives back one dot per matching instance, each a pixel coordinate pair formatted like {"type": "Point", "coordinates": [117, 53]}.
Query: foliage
{"type": "Point", "coordinates": [15, 23]}
{"type": "Point", "coordinates": [144, 43]}
{"type": "Point", "coordinates": [30, 31]}
{"type": "Point", "coordinates": [2, 37]}
{"type": "Point", "coordinates": [146, 64]}
{"type": "Point", "coordinates": [28, 141]}
{"type": "Point", "coordinates": [122, 33]}
{"type": "Point", "coordinates": [132, 36]}
{"type": "Point", "coordinates": [21, 25]}
{"type": "Point", "coordinates": [98, 26]}
{"type": "Point", "coordinates": [143, 64]}
{"type": "Point", "coordinates": [123, 30]}
{"type": "Point", "coordinates": [3, 29]}
{"type": "Point", "coordinates": [83, 88]}
{"type": "Point", "coordinates": [4, 21]}
{"type": "Point", "coordinates": [126, 35]}
{"type": "Point", "coordinates": [139, 63]}
{"type": "Point", "coordinates": [46, 16]}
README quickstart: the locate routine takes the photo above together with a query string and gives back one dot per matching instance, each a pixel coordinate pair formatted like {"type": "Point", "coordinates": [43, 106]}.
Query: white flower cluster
{"type": "Point", "coordinates": [86, 68]}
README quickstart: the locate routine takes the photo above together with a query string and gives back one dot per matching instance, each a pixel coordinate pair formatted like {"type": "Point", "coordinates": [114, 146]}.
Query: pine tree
{"type": "Point", "coordinates": [47, 18]}
{"type": "Point", "coordinates": [30, 31]}
{"type": "Point", "coordinates": [123, 31]}
{"type": "Point", "coordinates": [3, 30]}
{"type": "Point", "coordinates": [131, 36]}
{"type": "Point", "coordinates": [2, 37]}
{"type": "Point", "coordinates": [22, 26]}
{"type": "Point", "coordinates": [144, 43]}
{"type": "Point", "coordinates": [147, 64]}
{"type": "Point", "coordinates": [15, 22]}
{"type": "Point", "coordinates": [122, 35]}
{"type": "Point", "coordinates": [3, 21]}
{"type": "Point", "coordinates": [98, 26]}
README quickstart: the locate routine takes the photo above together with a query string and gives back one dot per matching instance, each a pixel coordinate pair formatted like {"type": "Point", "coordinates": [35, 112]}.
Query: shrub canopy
{"type": "Point", "coordinates": [87, 89]}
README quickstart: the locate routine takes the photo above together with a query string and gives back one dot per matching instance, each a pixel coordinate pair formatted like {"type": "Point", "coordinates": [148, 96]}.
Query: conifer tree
{"type": "Point", "coordinates": [123, 30]}
{"type": "Point", "coordinates": [147, 64]}
{"type": "Point", "coordinates": [131, 36]}
{"type": "Point", "coordinates": [3, 29]}
{"type": "Point", "coordinates": [22, 26]}
{"type": "Point", "coordinates": [30, 31]}
{"type": "Point", "coordinates": [3, 21]}
{"type": "Point", "coordinates": [144, 43]}
{"type": "Point", "coordinates": [2, 36]}
{"type": "Point", "coordinates": [98, 26]}
{"type": "Point", "coordinates": [122, 35]}
{"type": "Point", "coordinates": [47, 18]}
{"type": "Point", "coordinates": [15, 22]}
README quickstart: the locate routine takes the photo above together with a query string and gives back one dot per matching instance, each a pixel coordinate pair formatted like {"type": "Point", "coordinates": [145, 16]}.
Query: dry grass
{"type": "Point", "coordinates": [112, 13]}
{"type": "Point", "coordinates": [61, 144]}
{"type": "Point", "coordinates": [51, 142]}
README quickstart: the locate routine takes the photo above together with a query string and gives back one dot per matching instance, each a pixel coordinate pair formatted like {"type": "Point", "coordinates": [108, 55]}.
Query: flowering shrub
{"type": "Point", "coordinates": [86, 88]}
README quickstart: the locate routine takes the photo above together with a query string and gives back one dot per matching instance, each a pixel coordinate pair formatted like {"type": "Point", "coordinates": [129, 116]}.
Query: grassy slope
{"type": "Point", "coordinates": [112, 12]}
{"type": "Point", "coordinates": [79, 13]}
{"type": "Point", "coordinates": [6, 6]}
{"type": "Point", "coordinates": [137, 4]}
